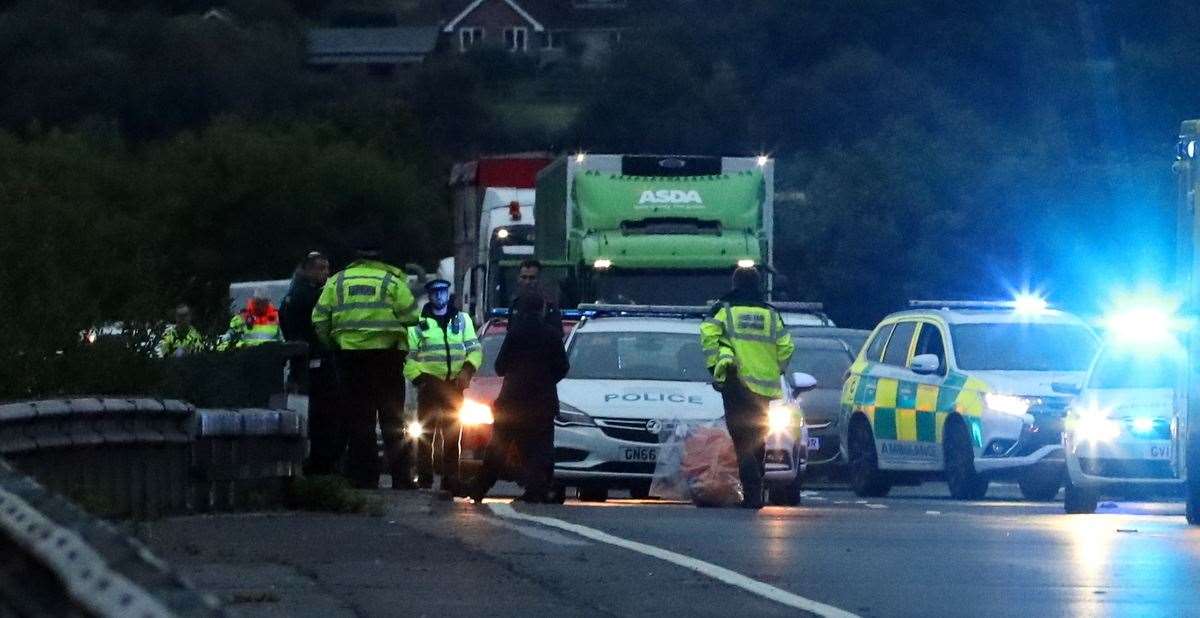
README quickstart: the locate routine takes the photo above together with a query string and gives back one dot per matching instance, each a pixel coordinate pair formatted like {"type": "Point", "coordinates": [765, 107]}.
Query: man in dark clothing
{"type": "Point", "coordinates": [529, 282]}
{"type": "Point", "coordinates": [532, 362]}
{"type": "Point", "coordinates": [314, 373]}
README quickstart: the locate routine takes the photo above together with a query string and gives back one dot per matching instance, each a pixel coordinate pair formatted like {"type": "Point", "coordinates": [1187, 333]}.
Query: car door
{"type": "Point", "coordinates": [933, 399]}
{"type": "Point", "coordinates": [893, 418]}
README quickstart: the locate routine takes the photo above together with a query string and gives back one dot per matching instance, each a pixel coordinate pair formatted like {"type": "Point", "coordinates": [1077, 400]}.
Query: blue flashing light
{"type": "Point", "coordinates": [1027, 303]}
{"type": "Point", "coordinates": [1143, 425]}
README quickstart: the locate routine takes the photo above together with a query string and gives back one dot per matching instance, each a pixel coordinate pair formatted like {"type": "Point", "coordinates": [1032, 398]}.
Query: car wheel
{"type": "Point", "coordinates": [965, 483]}
{"type": "Point", "coordinates": [1080, 501]}
{"type": "Point", "coordinates": [641, 491]}
{"type": "Point", "coordinates": [557, 494]}
{"type": "Point", "coordinates": [786, 494]}
{"type": "Point", "coordinates": [593, 494]}
{"type": "Point", "coordinates": [1041, 483]}
{"type": "Point", "coordinates": [867, 480]}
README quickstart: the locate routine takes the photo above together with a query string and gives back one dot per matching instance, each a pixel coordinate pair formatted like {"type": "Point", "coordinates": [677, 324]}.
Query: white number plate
{"type": "Point", "coordinates": [643, 454]}
{"type": "Point", "coordinates": [1161, 450]}
{"type": "Point", "coordinates": [814, 444]}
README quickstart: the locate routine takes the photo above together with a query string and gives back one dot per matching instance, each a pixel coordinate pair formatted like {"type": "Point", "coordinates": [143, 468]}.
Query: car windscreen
{"type": "Point", "coordinates": [1135, 370]}
{"type": "Point", "coordinates": [491, 347]}
{"type": "Point", "coordinates": [1022, 347]}
{"type": "Point", "coordinates": [827, 365]}
{"type": "Point", "coordinates": [637, 356]}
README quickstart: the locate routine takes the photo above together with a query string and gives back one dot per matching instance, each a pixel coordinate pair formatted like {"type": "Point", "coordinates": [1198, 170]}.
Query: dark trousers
{"type": "Point", "coordinates": [437, 409]}
{"type": "Point", "coordinates": [327, 432]}
{"type": "Point", "coordinates": [534, 447]}
{"type": "Point", "coordinates": [746, 417]}
{"type": "Point", "coordinates": [372, 390]}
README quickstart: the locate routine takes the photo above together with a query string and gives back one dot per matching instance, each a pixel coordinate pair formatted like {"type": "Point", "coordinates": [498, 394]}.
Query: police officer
{"type": "Point", "coordinates": [445, 355]}
{"type": "Point", "coordinates": [315, 374]}
{"type": "Point", "coordinates": [747, 349]}
{"type": "Point", "coordinates": [181, 337]}
{"type": "Point", "coordinates": [362, 315]}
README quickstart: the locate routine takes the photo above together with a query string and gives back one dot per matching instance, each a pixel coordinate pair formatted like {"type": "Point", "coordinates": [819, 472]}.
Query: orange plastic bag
{"type": "Point", "coordinates": [698, 463]}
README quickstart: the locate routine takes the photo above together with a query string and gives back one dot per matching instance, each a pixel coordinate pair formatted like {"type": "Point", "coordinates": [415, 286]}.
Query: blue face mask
{"type": "Point", "coordinates": [440, 298]}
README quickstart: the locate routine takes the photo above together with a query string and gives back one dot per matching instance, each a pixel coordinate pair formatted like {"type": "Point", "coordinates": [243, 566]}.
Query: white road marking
{"type": "Point", "coordinates": [539, 534]}
{"type": "Point", "coordinates": [841, 502]}
{"type": "Point", "coordinates": [817, 498]}
{"type": "Point", "coordinates": [718, 573]}
{"type": "Point", "coordinates": [877, 506]}
{"type": "Point", "coordinates": [933, 512]}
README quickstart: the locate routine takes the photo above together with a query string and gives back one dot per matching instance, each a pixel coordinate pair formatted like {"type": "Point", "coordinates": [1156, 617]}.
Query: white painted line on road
{"type": "Point", "coordinates": [841, 502]}
{"type": "Point", "coordinates": [933, 512]}
{"type": "Point", "coordinates": [817, 498]}
{"type": "Point", "coordinates": [877, 506]}
{"type": "Point", "coordinates": [539, 534]}
{"type": "Point", "coordinates": [718, 573]}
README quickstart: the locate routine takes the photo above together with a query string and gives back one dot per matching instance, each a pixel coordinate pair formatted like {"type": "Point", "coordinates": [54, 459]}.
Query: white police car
{"type": "Point", "coordinates": [634, 371]}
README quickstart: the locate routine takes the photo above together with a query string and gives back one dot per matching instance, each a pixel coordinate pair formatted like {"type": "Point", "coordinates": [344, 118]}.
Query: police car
{"type": "Point", "coordinates": [963, 390]}
{"type": "Point", "coordinates": [1126, 430]}
{"type": "Point", "coordinates": [634, 373]}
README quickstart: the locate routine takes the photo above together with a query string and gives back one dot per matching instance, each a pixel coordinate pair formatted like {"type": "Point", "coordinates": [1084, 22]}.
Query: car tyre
{"type": "Point", "coordinates": [640, 491]}
{"type": "Point", "coordinates": [1080, 501]}
{"type": "Point", "coordinates": [867, 480]}
{"type": "Point", "coordinates": [1041, 483]}
{"type": "Point", "coordinates": [786, 494]}
{"type": "Point", "coordinates": [965, 483]}
{"type": "Point", "coordinates": [593, 494]}
{"type": "Point", "coordinates": [557, 494]}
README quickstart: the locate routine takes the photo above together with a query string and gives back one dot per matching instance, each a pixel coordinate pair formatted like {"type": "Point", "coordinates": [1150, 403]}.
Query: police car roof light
{"type": "Point", "coordinates": [963, 304]}
{"type": "Point", "coordinates": [609, 310]}
{"type": "Point", "coordinates": [808, 307]}
{"type": "Point", "coordinates": [498, 312]}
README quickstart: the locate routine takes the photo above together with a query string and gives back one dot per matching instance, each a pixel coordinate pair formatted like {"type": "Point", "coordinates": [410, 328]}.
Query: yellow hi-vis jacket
{"type": "Point", "coordinates": [442, 353]}
{"type": "Point", "coordinates": [753, 338]}
{"type": "Point", "coordinates": [366, 307]}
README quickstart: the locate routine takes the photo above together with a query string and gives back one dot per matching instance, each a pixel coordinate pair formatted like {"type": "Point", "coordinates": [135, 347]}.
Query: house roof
{"type": "Point", "coordinates": [370, 44]}
{"type": "Point", "coordinates": [561, 14]}
{"type": "Point", "coordinates": [537, 26]}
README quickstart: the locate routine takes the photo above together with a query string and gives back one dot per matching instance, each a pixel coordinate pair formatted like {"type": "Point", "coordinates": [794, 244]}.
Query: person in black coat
{"type": "Point", "coordinates": [532, 361]}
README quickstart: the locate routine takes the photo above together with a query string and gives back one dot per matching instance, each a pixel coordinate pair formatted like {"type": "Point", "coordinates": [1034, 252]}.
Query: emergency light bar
{"type": "Point", "coordinates": [610, 310]}
{"type": "Point", "coordinates": [799, 307]}
{"type": "Point", "coordinates": [503, 312]}
{"type": "Point", "coordinates": [963, 304]}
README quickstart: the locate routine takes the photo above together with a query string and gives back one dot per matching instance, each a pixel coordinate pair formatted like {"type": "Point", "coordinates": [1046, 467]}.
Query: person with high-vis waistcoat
{"type": "Point", "coordinates": [747, 349]}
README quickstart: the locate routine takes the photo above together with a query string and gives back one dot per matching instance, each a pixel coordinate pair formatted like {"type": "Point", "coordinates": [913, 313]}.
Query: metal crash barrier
{"type": "Point", "coordinates": [245, 459]}
{"type": "Point", "coordinates": [55, 559]}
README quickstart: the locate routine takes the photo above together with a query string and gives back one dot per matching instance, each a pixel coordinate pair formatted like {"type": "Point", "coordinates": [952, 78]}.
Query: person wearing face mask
{"type": "Point", "coordinates": [445, 355]}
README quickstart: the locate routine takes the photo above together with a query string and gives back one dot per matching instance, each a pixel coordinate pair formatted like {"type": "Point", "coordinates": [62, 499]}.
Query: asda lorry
{"type": "Point", "coordinates": [652, 229]}
{"type": "Point", "coordinates": [492, 201]}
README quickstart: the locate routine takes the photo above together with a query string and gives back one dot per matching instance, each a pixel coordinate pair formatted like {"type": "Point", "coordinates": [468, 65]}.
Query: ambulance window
{"type": "Point", "coordinates": [930, 342]}
{"type": "Point", "coordinates": [875, 349]}
{"type": "Point", "coordinates": [897, 347]}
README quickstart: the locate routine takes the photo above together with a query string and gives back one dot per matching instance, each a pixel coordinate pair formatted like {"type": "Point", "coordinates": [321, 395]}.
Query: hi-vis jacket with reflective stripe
{"type": "Point", "coordinates": [752, 337]}
{"type": "Point", "coordinates": [442, 353]}
{"type": "Point", "coordinates": [366, 307]}
{"type": "Point", "coordinates": [248, 328]}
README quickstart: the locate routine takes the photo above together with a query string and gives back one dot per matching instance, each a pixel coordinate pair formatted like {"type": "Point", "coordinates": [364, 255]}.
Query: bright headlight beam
{"type": "Point", "coordinates": [1030, 304]}
{"type": "Point", "coordinates": [475, 413]}
{"type": "Point", "coordinates": [1143, 425]}
{"type": "Point", "coordinates": [745, 263]}
{"type": "Point", "coordinates": [602, 264]}
{"type": "Point", "coordinates": [1008, 404]}
{"type": "Point", "coordinates": [779, 418]}
{"type": "Point", "coordinates": [415, 429]}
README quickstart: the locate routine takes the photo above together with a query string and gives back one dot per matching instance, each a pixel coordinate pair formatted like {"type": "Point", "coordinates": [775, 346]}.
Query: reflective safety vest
{"type": "Point", "coordinates": [250, 329]}
{"type": "Point", "coordinates": [174, 344]}
{"type": "Point", "coordinates": [442, 353]}
{"type": "Point", "coordinates": [368, 306]}
{"type": "Point", "coordinates": [753, 338]}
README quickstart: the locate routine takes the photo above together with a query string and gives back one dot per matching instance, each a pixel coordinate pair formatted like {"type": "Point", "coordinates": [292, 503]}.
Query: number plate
{"type": "Point", "coordinates": [1161, 450]}
{"type": "Point", "coordinates": [642, 454]}
{"type": "Point", "coordinates": [814, 444]}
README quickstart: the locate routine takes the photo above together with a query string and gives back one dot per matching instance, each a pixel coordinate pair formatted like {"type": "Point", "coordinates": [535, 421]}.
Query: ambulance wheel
{"type": "Point", "coordinates": [593, 493]}
{"type": "Point", "coordinates": [867, 480]}
{"type": "Point", "coordinates": [786, 494]}
{"type": "Point", "coordinates": [1041, 483]}
{"type": "Point", "coordinates": [1079, 501]}
{"type": "Point", "coordinates": [965, 483]}
{"type": "Point", "coordinates": [641, 491]}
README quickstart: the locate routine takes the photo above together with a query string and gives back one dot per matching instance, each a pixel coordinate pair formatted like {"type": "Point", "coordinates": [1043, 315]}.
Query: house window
{"type": "Point", "coordinates": [516, 38]}
{"type": "Point", "coordinates": [469, 37]}
{"type": "Point", "coordinates": [555, 40]}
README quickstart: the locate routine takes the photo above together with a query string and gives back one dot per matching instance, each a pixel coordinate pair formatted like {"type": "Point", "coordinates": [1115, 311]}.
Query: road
{"type": "Point", "coordinates": [917, 553]}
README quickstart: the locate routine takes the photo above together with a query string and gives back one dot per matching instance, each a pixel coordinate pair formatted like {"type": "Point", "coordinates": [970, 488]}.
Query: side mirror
{"type": "Point", "coordinates": [1066, 388]}
{"type": "Point", "coordinates": [925, 364]}
{"type": "Point", "coordinates": [802, 382]}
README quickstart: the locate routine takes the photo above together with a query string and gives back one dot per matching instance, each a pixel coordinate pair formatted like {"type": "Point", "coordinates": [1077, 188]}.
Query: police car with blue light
{"type": "Point", "coordinates": [636, 371]}
{"type": "Point", "coordinates": [1127, 429]}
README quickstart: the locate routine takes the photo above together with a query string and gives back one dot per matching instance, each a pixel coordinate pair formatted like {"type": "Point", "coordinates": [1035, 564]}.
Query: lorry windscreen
{"type": "Point", "coordinates": [675, 357]}
{"type": "Point", "coordinates": [659, 288]}
{"type": "Point", "coordinates": [1023, 347]}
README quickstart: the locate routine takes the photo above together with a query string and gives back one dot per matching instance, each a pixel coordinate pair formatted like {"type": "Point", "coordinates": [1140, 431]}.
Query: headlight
{"type": "Point", "coordinates": [780, 417]}
{"type": "Point", "coordinates": [1092, 424]}
{"type": "Point", "coordinates": [1008, 404]}
{"type": "Point", "coordinates": [570, 416]}
{"type": "Point", "coordinates": [415, 429]}
{"type": "Point", "coordinates": [475, 413]}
